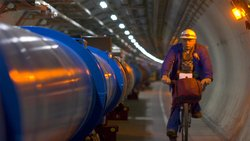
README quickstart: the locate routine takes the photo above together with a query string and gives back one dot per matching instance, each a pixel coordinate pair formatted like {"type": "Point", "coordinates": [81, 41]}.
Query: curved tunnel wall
{"type": "Point", "coordinates": [226, 102]}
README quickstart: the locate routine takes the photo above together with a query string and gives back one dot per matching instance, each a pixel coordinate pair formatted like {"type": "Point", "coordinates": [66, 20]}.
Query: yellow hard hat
{"type": "Point", "coordinates": [188, 34]}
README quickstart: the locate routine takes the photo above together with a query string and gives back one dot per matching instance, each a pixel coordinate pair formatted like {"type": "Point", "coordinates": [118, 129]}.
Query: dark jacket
{"type": "Point", "coordinates": [202, 64]}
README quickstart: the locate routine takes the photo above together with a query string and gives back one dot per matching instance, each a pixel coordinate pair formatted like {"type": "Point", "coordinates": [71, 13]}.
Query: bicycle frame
{"type": "Point", "coordinates": [185, 120]}
{"type": "Point", "coordinates": [185, 117]}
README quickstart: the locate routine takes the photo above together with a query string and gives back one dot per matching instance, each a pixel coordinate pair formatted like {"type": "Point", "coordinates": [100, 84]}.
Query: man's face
{"type": "Point", "coordinates": [188, 43]}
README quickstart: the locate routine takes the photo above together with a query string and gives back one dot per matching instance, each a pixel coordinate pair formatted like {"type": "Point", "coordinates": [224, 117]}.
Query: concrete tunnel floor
{"type": "Point", "coordinates": [148, 118]}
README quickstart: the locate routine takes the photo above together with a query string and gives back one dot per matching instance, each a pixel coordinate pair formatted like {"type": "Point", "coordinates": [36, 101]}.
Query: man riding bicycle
{"type": "Point", "coordinates": [190, 59]}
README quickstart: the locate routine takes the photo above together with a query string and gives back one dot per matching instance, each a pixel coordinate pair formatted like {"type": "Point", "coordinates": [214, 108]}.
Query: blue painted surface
{"type": "Point", "coordinates": [99, 81]}
{"type": "Point", "coordinates": [3, 122]}
{"type": "Point", "coordinates": [137, 74]}
{"type": "Point", "coordinates": [118, 73]}
{"type": "Point", "coordinates": [10, 101]}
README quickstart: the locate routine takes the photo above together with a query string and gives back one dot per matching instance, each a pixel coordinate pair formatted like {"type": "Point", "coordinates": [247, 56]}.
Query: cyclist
{"type": "Point", "coordinates": [189, 58]}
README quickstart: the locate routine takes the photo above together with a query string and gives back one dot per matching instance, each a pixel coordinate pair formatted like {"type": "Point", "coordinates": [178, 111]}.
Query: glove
{"type": "Point", "coordinates": [205, 82]}
{"type": "Point", "coordinates": [165, 79]}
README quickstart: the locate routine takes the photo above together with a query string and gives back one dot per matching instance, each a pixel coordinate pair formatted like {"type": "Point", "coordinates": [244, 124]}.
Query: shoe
{"type": "Point", "coordinates": [197, 115]}
{"type": "Point", "coordinates": [171, 133]}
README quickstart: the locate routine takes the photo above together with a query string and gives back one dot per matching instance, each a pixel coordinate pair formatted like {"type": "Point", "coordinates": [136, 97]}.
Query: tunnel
{"type": "Point", "coordinates": [89, 79]}
{"type": "Point", "coordinates": [227, 100]}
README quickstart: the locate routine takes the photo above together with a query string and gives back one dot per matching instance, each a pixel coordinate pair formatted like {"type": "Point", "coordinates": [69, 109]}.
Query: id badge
{"type": "Point", "coordinates": [185, 75]}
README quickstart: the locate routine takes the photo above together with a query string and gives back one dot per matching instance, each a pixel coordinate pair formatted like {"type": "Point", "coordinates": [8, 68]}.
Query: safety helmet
{"type": "Point", "coordinates": [188, 34]}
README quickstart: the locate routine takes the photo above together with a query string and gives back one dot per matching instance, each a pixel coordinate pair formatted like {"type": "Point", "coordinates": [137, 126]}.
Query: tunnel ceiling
{"type": "Point", "coordinates": [153, 23]}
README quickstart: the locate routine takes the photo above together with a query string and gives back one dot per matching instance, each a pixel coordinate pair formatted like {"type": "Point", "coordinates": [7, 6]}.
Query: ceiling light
{"type": "Point", "coordinates": [133, 40]}
{"type": "Point", "coordinates": [100, 22]}
{"type": "Point", "coordinates": [87, 11]}
{"type": "Point", "coordinates": [131, 37]}
{"type": "Point", "coordinates": [126, 32]}
{"type": "Point", "coordinates": [136, 43]}
{"type": "Point", "coordinates": [122, 26]}
{"type": "Point", "coordinates": [110, 30]}
{"type": "Point", "coordinates": [113, 17]}
{"type": "Point", "coordinates": [103, 4]}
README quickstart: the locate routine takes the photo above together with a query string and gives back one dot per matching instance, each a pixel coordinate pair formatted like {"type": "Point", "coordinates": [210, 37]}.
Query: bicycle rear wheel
{"type": "Point", "coordinates": [185, 122]}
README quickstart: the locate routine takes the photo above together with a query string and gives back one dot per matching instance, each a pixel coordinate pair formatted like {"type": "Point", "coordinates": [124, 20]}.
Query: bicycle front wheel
{"type": "Point", "coordinates": [185, 122]}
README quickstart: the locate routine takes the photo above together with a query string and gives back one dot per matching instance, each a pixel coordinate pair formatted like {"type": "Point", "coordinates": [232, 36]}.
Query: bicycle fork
{"type": "Point", "coordinates": [185, 122]}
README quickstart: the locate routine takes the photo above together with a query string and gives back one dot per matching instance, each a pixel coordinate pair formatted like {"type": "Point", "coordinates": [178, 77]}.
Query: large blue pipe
{"type": "Point", "coordinates": [52, 88]}
{"type": "Point", "coordinates": [116, 89]}
{"type": "Point", "coordinates": [2, 121]}
{"type": "Point", "coordinates": [98, 106]}
{"type": "Point", "coordinates": [46, 89]}
{"type": "Point", "coordinates": [137, 73]}
{"type": "Point", "coordinates": [129, 76]}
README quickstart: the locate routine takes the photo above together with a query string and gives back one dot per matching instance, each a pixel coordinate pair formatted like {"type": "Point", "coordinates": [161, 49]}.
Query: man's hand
{"type": "Point", "coordinates": [165, 79]}
{"type": "Point", "coordinates": [205, 82]}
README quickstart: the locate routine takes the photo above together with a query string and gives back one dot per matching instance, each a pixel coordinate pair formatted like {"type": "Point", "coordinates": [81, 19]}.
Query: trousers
{"type": "Point", "coordinates": [174, 119]}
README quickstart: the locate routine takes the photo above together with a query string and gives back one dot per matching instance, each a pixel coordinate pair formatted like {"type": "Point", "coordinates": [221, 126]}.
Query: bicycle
{"type": "Point", "coordinates": [185, 102]}
{"type": "Point", "coordinates": [185, 120]}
